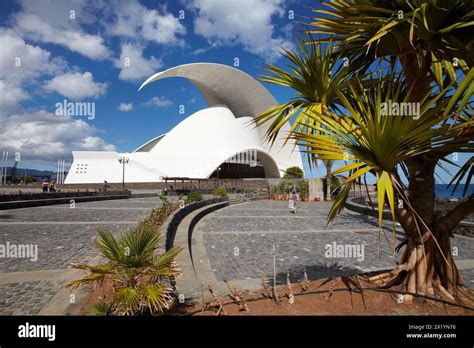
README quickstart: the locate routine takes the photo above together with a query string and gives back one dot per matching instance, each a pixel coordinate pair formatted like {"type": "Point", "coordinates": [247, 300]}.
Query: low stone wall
{"type": "Point", "coordinates": [64, 199]}
{"type": "Point", "coordinates": [54, 195]}
{"type": "Point", "coordinates": [177, 217]}
{"type": "Point", "coordinates": [465, 228]}
{"type": "Point", "coordinates": [357, 204]}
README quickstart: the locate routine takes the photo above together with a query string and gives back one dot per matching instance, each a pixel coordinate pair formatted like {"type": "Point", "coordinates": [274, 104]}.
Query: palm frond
{"type": "Point", "coordinates": [127, 300]}
{"type": "Point", "coordinates": [157, 296]}
{"type": "Point", "coordinates": [100, 309]}
{"type": "Point", "coordinates": [467, 168]}
{"type": "Point", "coordinates": [165, 265]}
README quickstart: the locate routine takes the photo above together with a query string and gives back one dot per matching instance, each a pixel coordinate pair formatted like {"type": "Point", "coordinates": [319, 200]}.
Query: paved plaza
{"type": "Point", "coordinates": [239, 241]}
{"type": "Point", "coordinates": [63, 236]}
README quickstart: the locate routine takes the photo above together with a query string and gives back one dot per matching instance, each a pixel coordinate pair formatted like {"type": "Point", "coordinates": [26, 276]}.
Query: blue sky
{"type": "Point", "coordinates": [75, 50]}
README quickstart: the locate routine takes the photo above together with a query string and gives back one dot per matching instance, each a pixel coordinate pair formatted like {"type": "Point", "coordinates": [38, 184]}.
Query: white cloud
{"type": "Point", "coordinates": [20, 60]}
{"type": "Point", "coordinates": [77, 86]}
{"type": "Point", "coordinates": [133, 66]}
{"type": "Point", "coordinates": [44, 136]}
{"type": "Point", "coordinates": [162, 29]}
{"type": "Point", "coordinates": [21, 63]}
{"type": "Point", "coordinates": [132, 20]}
{"type": "Point", "coordinates": [10, 96]}
{"type": "Point", "coordinates": [50, 21]}
{"type": "Point", "coordinates": [245, 22]}
{"type": "Point", "coordinates": [125, 107]}
{"type": "Point", "coordinates": [160, 102]}
{"type": "Point", "coordinates": [200, 51]}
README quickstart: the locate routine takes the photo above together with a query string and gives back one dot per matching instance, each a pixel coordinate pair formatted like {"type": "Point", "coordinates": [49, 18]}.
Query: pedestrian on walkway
{"type": "Point", "coordinates": [45, 185]}
{"type": "Point", "coordinates": [52, 187]}
{"type": "Point", "coordinates": [106, 186]}
{"type": "Point", "coordinates": [294, 199]}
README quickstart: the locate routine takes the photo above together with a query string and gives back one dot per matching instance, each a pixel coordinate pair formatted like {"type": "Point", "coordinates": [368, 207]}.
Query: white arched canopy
{"type": "Point", "coordinates": [201, 142]}
{"type": "Point", "coordinates": [242, 94]}
{"type": "Point", "coordinates": [223, 85]}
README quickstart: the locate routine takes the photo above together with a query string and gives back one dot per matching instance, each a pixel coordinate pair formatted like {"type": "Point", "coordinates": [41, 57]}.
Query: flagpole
{"type": "Point", "coordinates": [3, 162]}
{"type": "Point", "coordinates": [62, 172]}
{"type": "Point", "coordinates": [5, 168]}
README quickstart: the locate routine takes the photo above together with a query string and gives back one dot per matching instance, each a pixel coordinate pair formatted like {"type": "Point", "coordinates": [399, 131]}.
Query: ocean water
{"type": "Point", "coordinates": [442, 190]}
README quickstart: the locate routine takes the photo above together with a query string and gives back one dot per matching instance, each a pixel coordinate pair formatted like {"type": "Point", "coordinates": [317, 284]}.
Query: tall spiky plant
{"type": "Point", "coordinates": [328, 165]}
{"type": "Point", "coordinates": [425, 51]}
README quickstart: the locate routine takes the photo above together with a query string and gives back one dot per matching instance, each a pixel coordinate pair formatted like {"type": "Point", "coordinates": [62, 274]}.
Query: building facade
{"type": "Point", "coordinates": [219, 140]}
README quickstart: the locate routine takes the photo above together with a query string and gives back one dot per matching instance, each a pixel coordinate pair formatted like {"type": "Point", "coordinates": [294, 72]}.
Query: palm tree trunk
{"type": "Point", "coordinates": [328, 165]}
{"type": "Point", "coordinates": [427, 265]}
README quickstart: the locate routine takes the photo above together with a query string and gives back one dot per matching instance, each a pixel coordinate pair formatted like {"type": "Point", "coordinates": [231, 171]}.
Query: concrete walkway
{"type": "Point", "coordinates": [62, 236]}
{"type": "Point", "coordinates": [238, 241]}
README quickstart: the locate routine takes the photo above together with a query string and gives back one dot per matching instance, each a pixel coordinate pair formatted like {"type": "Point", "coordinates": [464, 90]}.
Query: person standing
{"type": "Point", "coordinates": [45, 185]}
{"type": "Point", "coordinates": [52, 187]}
{"type": "Point", "coordinates": [294, 199]}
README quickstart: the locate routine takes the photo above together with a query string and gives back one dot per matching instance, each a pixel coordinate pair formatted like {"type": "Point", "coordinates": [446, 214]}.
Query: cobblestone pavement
{"type": "Point", "coordinates": [63, 235]}
{"type": "Point", "coordinates": [239, 241]}
{"type": "Point", "coordinates": [27, 298]}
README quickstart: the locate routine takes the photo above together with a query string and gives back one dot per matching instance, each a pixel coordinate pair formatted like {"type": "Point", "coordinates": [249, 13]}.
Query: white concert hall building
{"type": "Point", "coordinates": [219, 137]}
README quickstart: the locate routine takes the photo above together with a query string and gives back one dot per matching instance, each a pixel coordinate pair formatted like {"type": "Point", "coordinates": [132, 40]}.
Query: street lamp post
{"type": "Point", "coordinates": [218, 170]}
{"type": "Point", "coordinates": [123, 161]}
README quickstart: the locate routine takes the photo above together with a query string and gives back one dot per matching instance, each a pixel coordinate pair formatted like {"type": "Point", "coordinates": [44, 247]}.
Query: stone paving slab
{"type": "Point", "coordinates": [68, 215]}
{"type": "Point", "coordinates": [239, 241]}
{"type": "Point", "coordinates": [294, 253]}
{"type": "Point", "coordinates": [27, 298]}
{"type": "Point", "coordinates": [58, 245]}
{"type": "Point", "coordinates": [275, 222]}
{"type": "Point", "coordinates": [468, 276]}
{"type": "Point", "coordinates": [63, 236]}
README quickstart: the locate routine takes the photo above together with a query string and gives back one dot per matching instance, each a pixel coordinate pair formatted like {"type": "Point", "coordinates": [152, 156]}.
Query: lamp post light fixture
{"type": "Point", "coordinates": [123, 161]}
{"type": "Point", "coordinates": [218, 170]}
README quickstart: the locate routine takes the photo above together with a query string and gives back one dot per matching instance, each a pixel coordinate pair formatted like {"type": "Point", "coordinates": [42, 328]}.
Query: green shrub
{"type": "Point", "coordinates": [29, 179]}
{"type": "Point", "coordinates": [160, 214]}
{"type": "Point", "coordinates": [193, 197]}
{"type": "Point", "coordinates": [293, 173]}
{"type": "Point", "coordinates": [220, 192]}
{"type": "Point", "coordinates": [141, 279]}
{"type": "Point", "coordinates": [335, 183]}
{"type": "Point", "coordinates": [282, 187]}
{"type": "Point", "coordinates": [304, 188]}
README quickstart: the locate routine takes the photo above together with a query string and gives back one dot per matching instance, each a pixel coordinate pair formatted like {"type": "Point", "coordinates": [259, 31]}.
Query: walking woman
{"type": "Point", "coordinates": [294, 199]}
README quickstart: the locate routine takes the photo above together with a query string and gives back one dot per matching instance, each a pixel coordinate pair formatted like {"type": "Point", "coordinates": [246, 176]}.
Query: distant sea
{"type": "Point", "coordinates": [442, 190]}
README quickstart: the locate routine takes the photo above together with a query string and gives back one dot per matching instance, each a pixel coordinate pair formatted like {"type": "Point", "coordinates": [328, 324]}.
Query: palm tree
{"type": "Point", "coordinates": [328, 164]}
{"type": "Point", "coordinates": [423, 54]}
{"type": "Point", "coordinates": [316, 76]}
{"type": "Point", "coordinates": [141, 279]}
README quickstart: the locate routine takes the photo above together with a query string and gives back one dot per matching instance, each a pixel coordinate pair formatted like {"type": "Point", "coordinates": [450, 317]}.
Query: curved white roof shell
{"type": "Point", "coordinates": [220, 84]}
{"type": "Point", "coordinates": [242, 94]}
{"type": "Point", "coordinates": [197, 146]}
